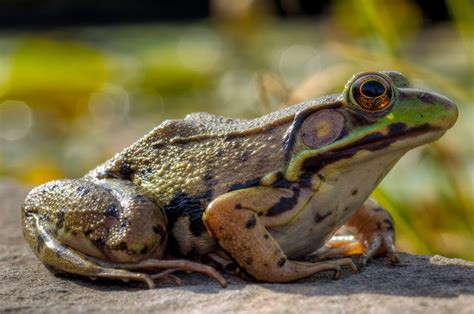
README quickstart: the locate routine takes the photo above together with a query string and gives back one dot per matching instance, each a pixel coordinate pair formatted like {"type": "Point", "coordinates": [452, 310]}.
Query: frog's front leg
{"type": "Point", "coordinates": [239, 220]}
{"type": "Point", "coordinates": [374, 234]}
{"type": "Point", "coordinates": [100, 229]}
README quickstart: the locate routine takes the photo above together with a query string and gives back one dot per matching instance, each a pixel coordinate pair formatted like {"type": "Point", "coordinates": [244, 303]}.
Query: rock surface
{"type": "Point", "coordinates": [421, 284]}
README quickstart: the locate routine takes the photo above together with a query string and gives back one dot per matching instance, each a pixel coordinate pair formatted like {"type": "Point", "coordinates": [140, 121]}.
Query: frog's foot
{"type": "Point", "coordinates": [236, 220]}
{"type": "Point", "coordinates": [171, 266]}
{"type": "Point", "coordinates": [374, 235]}
{"type": "Point", "coordinates": [224, 263]}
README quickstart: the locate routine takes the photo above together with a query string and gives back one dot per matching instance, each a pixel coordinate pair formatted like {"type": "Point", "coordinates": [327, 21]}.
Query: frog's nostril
{"type": "Point", "coordinates": [426, 98]}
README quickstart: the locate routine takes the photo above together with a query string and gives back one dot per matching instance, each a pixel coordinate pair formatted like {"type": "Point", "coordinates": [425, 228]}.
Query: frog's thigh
{"type": "Point", "coordinates": [372, 227]}
{"type": "Point", "coordinates": [233, 219]}
{"type": "Point", "coordinates": [71, 224]}
{"type": "Point", "coordinates": [102, 229]}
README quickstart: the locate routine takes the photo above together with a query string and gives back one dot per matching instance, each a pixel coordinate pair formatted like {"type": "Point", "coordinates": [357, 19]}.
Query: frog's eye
{"type": "Point", "coordinates": [371, 93]}
{"type": "Point", "coordinates": [322, 127]}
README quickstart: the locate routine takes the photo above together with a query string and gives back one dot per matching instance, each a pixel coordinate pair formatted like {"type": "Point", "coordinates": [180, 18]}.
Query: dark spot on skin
{"type": "Point", "coordinates": [281, 182]}
{"type": "Point", "coordinates": [396, 128]}
{"type": "Point", "coordinates": [426, 97]}
{"type": "Point", "coordinates": [208, 177]}
{"type": "Point", "coordinates": [244, 185]}
{"type": "Point", "coordinates": [125, 171]}
{"type": "Point", "coordinates": [144, 250]}
{"type": "Point", "coordinates": [245, 156]}
{"type": "Point", "coordinates": [159, 230]}
{"type": "Point", "coordinates": [318, 217]}
{"type": "Point", "coordinates": [266, 236]}
{"type": "Point", "coordinates": [346, 209]}
{"type": "Point", "coordinates": [123, 224]}
{"type": "Point", "coordinates": [251, 223]}
{"type": "Point", "coordinates": [238, 206]}
{"type": "Point", "coordinates": [182, 205]}
{"type": "Point", "coordinates": [389, 224]}
{"type": "Point", "coordinates": [265, 264]}
{"type": "Point", "coordinates": [284, 204]}
{"type": "Point", "coordinates": [140, 199]}
{"type": "Point", "coordinates": [112, 211]}
{"type": "Point", "coordinates": [60, 220]}
{"type": "Point", "coordinates": [157, 145]}
{"type": "Point", "coordinates": [40, 243]}
{"type": "Point", "coordinates": [355, 191]}
{"type": "Point", "coordinates": [100, 243]}
{"type": "Point", "coordinates": [249, 261]}
{"type": "Point", "coordinates": [122, 246]}
{"type": "Point", "coordinates": [145, 174]}
{"type": "Point", "coordinates": [83, 191]}
{"type": "Point", "coordinates": [281, 262]}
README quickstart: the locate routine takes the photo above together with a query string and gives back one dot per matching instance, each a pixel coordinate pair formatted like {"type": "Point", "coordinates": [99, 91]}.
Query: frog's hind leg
{"type": "Point", "coordinates": [61, 259]}
{"type": "Point", "coordinates": [368, 233]}
{"type": "Point", "coordinates": [100, 229]}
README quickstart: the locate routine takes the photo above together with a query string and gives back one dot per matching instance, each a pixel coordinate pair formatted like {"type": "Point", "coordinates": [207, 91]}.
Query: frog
{"type": "Point", "coordinates": [273, 199]}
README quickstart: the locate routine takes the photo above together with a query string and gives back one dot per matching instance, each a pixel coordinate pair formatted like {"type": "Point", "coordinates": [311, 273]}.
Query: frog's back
{"type": "Point", "coordinates": [204, 155]}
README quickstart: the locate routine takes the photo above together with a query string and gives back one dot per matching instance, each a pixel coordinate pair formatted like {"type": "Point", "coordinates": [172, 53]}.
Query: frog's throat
{"type": "Point", "coordinates": [312, 161]}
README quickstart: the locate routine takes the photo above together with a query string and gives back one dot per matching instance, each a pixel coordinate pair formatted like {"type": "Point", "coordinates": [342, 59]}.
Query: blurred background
{"type": "Point", "coordinates": [81, 80]}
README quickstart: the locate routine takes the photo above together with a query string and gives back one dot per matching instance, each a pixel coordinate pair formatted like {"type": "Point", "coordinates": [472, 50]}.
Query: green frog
{"type": "Point", "coordinates": [268, 198]}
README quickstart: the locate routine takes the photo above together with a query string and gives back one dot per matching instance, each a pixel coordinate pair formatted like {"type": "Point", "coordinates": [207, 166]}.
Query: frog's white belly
{"type": "Point", "coordinates": [346, 187]}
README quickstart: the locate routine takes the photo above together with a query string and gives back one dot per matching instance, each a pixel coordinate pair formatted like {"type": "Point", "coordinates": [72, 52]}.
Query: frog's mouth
{"type": "Point", "coordinates": [397, 132]}
{"type": "Point", "coordinates": [375, 142]}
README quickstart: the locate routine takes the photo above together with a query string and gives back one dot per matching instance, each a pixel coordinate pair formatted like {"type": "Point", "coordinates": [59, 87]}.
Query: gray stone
{"type": "Point", "coordinates": [421, 284]}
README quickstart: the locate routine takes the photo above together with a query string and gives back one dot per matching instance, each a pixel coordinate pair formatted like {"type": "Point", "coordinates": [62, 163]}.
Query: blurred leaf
{"type": "Point", "coordinates": [386, 21]}
{"type": "Point", "coordinates": [463, 14]}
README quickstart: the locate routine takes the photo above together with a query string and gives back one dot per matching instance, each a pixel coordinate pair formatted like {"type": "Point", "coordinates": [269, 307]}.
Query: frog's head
{"type": "Point", "coordinates": [372, 123]}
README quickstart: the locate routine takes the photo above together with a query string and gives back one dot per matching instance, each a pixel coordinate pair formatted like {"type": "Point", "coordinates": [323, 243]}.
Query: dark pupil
{"type": "Point", "coordinates": [372, 89]}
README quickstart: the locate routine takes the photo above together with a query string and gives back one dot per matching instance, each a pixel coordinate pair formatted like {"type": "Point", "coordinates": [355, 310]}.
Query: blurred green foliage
{"type": "Point", "coordinates": [71, 98]}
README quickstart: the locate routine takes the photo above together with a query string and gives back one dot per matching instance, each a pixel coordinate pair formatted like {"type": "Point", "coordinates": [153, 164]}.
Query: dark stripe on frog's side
{"type": "Point", "coordinates": [182, 205]}
{"type": "Point", "coordinates": [60, 219]}
{"type": "Point", "coordinates": [244, 185]}
{"type": "Point", "coordinates": [372, 142]}
{"type": "Point", "coordinates": [318, 217]}
{"type": "Point", "coordinates": [284, 204]}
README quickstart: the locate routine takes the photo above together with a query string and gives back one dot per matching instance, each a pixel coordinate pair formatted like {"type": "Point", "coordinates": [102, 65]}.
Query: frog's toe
{"type": "Point", "coordinates": [379, 244]}
{"type": "Point", "coordinates": [173, 265]}
{"type": "Point", "coordinates": [166, 275]}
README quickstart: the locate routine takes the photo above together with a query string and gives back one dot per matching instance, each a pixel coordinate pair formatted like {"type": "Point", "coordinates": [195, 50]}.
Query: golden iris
{"type": "Point", "coordinates": [372, 93]}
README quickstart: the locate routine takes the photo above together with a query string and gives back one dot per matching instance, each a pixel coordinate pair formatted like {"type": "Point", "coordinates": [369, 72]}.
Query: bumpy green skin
{"type": "Point", "coordinates": [301, 195]}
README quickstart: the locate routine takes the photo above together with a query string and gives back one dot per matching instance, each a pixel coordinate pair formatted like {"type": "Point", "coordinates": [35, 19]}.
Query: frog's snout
{"type": "Point", "coordinates": [451, 110]}
{"type": "Point", "coordinates": [446, 110]}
